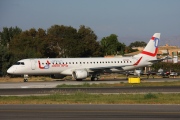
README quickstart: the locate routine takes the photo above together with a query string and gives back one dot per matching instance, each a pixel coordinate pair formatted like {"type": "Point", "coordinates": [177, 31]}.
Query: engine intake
{"type": "Point", "coordinates": [80, 74]}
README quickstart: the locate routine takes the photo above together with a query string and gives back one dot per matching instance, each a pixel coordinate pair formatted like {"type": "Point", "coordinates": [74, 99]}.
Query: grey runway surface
{"type": "Point", "coordinates": [36, 88]}
{"type": "Point", "coordinates": [90, 112]}
{"type": "Point", "coordinates": [53, 84]}
{"type": "Point", "coordinates": [103, 90]}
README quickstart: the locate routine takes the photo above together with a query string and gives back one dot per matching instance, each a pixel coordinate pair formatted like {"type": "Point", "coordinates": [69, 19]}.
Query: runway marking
{"type": "Point", "coordinates": [24, 86]}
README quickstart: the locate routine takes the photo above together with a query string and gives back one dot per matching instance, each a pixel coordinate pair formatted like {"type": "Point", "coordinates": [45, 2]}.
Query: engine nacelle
{"type": "Point", "coordinates": [80, 74]}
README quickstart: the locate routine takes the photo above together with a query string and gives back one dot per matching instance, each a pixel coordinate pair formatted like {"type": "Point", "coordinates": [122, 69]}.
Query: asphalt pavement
{"type": "Point", "coordinates": [90, 112]}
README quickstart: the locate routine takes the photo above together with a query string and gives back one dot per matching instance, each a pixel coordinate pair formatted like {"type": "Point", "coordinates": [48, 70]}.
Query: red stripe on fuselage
{"type": "Point", "coordinates": [138, 61]}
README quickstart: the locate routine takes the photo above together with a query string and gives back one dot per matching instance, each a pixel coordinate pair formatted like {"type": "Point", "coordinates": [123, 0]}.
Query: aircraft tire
{"type": "Point", "coordinates": [25, 80]}
{"type": "Point", "coordinates": [94, 78]}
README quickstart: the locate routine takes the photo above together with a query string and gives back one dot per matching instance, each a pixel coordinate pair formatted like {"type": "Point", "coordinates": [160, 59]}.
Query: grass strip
{"type": "Point", "coordinates": [85, 98]}
{"type": "Point", "coordinates": [122, 84]}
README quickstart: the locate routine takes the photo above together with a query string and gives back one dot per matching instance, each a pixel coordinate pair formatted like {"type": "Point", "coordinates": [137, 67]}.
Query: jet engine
{"type": "Point", "coordinates": [80, 74]}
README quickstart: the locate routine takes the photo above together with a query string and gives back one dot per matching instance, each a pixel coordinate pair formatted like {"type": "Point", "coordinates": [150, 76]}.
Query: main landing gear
{"type": "Point", "coordinates": [95, 77]}
{"type": "Point", "coordinates": [26, 78]}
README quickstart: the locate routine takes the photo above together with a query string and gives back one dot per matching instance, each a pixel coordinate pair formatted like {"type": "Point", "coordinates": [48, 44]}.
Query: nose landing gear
{"type": "Point", "coordinates": [26, 78]}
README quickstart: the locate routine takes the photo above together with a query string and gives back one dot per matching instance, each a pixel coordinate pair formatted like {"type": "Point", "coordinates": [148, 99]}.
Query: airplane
{"type": "Point", "coordinates": [81, 68]}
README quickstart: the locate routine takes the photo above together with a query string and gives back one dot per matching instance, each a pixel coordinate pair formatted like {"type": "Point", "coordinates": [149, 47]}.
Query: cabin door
{"type": "Point", "coordinates": [33, 64]}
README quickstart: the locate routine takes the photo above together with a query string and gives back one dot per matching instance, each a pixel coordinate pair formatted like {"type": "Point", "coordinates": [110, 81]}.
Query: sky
{"type": "Point", "coordinates": [130, 20]}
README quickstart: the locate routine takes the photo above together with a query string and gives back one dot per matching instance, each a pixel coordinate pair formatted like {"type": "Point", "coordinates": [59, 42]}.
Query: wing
{"type": "Point", "coordinates": [106, 68]}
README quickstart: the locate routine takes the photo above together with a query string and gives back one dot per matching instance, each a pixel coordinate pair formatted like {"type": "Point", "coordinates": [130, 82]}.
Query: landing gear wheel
{"type": "Point", "coordinates": [94, 78]}
{"type": "Point", "coordinates": [25, 78]}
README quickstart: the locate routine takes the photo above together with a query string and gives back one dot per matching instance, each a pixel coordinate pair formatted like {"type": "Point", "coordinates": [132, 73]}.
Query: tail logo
{"type": "Point", "coordinates": [156, 42]}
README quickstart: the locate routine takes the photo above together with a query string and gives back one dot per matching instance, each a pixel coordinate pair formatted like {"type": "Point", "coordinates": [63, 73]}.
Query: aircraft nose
{"type": "Point", "coordinates": [10, 70]}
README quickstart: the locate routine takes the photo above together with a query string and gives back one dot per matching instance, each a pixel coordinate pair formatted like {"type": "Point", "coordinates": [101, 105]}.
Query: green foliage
{"type": "Point", "coordinates": [135, 44]}
{"type": "Point", "coordinates": [82, 97]}
{"type": "Point", "coordinates": [122, 84]}
{"type": "Point", "coordinates": [138, 44]}
{"type": "Point", "coordinates": [166, 66]}
{"type": "Point", "coordinates": [8, 34]}
{"type": "Point", "coordinates": [111, 45]}
{"type": "Point", "coordinates": [87, 43]}
{"type": "Point", "coordinates": [150, 96]}
{"type": "Point", "coordinates": [130, 50]}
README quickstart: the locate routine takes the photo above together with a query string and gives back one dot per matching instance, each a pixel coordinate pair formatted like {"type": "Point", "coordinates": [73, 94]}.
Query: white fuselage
{"type": "Point", "coordinates": [81, 68]}
{"type": "Point", "coordinates": [65, 66]}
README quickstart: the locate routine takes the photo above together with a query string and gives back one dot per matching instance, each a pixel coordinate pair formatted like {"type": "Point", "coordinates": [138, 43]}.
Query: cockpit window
{"type": "Point", "coordinates": [19, 63]}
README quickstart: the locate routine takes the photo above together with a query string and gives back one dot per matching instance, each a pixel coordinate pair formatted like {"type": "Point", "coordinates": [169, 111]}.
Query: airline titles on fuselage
{"type": "Point", "coordinates": [55, 63]}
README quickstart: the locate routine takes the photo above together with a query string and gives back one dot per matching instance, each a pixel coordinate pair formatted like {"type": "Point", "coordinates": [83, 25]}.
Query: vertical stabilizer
{"type": "Point", "coordinates": [151, 48]}
{"type": "Point", "coordinates": [150, 51]}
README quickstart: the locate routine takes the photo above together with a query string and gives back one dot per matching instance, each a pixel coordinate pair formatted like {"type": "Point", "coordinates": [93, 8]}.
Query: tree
{"type": "Point", "coordinates": [111, 45]}
{"type": "Point", "coordinates": [135, 44]}
{"type": "Point", "coordinates": [8, 33]}
{"type": "Point", "coordinates": [87, 44]}
{"type": "Point", "coordinates": [62, 40]}
{"type": "Point", "coordinates": [166, 66]}
{"type": "Point", "coordinates": [7, 36]}
{"type": "Point", "coordinates": [138, 44]}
